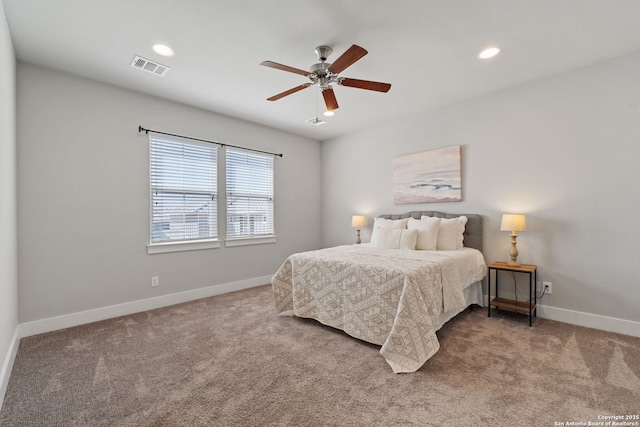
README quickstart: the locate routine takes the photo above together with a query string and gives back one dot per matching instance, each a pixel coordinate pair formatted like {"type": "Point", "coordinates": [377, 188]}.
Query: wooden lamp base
{"type": "Point", "coordinates": [513, 252]}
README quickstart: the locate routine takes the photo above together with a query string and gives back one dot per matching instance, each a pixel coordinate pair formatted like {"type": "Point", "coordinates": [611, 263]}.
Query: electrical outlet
{"type": "Point", "coordinates": [155, 281]}
{"type": "Point", "coordinates": [547, 285]}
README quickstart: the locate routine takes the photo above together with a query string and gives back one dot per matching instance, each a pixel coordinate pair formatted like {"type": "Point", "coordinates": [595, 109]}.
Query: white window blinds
{"type": "Point", "coordinates": [183, 190]}
{"type": "Point", "coordinates": [249, 194]}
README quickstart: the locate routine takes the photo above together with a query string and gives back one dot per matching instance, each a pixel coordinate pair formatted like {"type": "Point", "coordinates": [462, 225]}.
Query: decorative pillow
{"type": "Point", "coordinates": [394, 238]}
{"type": "Point", "coordinates": [451, 232]}
{"type": "Point", "coordinates": [428, 228]}
{"type": "Point", "coordinates": [408, 239]}
{"type": "Point", "coordinates": [386, 223]}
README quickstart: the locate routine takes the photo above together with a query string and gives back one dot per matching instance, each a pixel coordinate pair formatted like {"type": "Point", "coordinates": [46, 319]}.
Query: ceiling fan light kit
{"type": "Point", "coordinates": [324, 74]}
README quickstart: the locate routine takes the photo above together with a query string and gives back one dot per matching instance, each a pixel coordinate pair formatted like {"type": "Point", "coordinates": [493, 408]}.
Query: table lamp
{"type": "Point", "coordinates": [358, 222]}
{"type": "Point", "coordinates": [513, 223]}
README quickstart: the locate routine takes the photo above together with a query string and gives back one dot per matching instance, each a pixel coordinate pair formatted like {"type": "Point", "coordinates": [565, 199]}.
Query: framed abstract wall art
{"type": "Point", "coordinates": [427, 177]}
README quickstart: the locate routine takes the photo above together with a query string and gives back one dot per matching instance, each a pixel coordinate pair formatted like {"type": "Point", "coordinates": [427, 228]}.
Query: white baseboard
{"type": "Point", "coordinates": [7, 365]}
{"type": "Point", "coordinates": [595, 321]}
{"type": "Point", "coordinates": [588, 320]}
{"type": "Point", "coordinates": [80, 318]}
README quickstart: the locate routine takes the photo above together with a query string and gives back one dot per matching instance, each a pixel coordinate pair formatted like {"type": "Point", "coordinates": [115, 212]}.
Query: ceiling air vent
{"type": "Point", "coordinates": [149, 66]}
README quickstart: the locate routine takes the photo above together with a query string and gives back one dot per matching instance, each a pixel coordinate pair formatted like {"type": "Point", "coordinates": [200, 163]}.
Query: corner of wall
{"type": "Point", "coordinates": [8, 206]}
{"type": "Point", "coordinates": [7, 365]}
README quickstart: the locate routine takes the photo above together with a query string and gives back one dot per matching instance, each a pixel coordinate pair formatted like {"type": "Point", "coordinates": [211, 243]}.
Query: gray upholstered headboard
{"type": "Point", "coordinates": [472, 232]}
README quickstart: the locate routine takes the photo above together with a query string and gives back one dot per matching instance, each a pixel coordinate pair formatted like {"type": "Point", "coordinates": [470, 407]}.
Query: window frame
{"type": "Point", "coordinates": [249, 239]}
{"type": "Point", "coordinates": [154, 247]}
{"type": "Point", "coordinates": [221, 205]}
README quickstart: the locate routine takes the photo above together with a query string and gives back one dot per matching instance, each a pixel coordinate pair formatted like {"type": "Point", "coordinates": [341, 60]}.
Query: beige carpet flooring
{"type": "Point", "coordinates": [230, 361]}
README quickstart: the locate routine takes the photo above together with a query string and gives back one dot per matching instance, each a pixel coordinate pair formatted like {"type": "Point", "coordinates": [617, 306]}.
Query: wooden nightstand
{"type": "Point", "coordinates": [521, 306]}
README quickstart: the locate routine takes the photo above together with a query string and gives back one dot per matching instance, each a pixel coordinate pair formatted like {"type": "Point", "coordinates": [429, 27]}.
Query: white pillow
{"type": "Point", "coordinates": [386, 223]}
{"type": "Point", "coordinates": [394, 238]}
{"type": "Point", "coordinates": [451, 232]}
{"type": "Point", "coordinates": [428, 228]}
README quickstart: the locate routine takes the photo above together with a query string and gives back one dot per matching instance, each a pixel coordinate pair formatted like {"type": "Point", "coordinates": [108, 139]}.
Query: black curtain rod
{"type": "Point", "coordinates": [141, 129]}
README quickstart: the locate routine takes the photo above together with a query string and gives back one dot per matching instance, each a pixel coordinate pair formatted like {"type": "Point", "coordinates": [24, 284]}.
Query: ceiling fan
{"type": "Point", "coordinates": [324, 73]}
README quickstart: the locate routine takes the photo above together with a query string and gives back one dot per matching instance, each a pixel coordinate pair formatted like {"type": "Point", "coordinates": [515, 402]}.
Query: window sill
{"type": "Point", "coordinates": [160, 248]}
{"type": "Point", "coordinates": [250, 241]}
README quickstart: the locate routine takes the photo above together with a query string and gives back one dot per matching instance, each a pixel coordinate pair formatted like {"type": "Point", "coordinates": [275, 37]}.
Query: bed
{"type": "Point", "coordinates": [385, 294]}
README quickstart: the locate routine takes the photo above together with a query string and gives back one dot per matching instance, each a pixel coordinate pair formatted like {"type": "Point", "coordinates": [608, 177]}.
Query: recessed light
{"type": "Point", "coordinates": [163, 49]}
{"type": "Point", "coordinates": [489, 52]}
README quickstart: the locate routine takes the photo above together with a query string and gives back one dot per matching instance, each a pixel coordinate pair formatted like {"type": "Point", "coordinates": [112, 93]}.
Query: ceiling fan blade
{"type": "Point", "coordinates": [289, 92]}
{"type": "Point", "coordinates": [282, 67]}
{"type": "Point", "coordinates": [345, 60]}
{"type": "Point", "coordinates": [330, 98]}
{"type": "Point", "coordinates": [365, 84]}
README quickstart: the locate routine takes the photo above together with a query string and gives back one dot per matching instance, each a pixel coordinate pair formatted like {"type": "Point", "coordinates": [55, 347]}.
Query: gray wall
{"type": "Point", "coordinates": [8, 206]}
{"type": "Point", "coordinates": [83, 197]}
{"type": "Point", "coordinates": [563, 150]}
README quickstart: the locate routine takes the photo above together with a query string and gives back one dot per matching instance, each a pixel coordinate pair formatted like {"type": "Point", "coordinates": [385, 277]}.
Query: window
{"type": "Point", "coordinates": [183, 190]}
{"type": "Point", "coordinates": [249, 194]}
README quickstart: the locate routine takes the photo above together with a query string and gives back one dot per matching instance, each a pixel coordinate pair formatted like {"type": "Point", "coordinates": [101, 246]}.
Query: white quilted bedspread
{"type": "Point", "coordinates": [388, 297]}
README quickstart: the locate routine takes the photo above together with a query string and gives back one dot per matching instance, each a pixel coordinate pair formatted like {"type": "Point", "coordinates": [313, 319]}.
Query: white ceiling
{"type": "Point", "coordinates": [427, 49]}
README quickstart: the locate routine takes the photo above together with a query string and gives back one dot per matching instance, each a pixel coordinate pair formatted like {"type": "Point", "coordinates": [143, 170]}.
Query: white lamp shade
{"type": "Point", "coordinates": [358, 221]}
{"type": "Point", "coordinates": [513, 222]}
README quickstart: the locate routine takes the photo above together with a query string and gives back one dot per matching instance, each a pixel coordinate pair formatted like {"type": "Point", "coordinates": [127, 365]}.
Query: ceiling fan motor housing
{"type": "Point", "coordinates": [320, 69]}
{"type": "Point", "coordinates": [320, 74]}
